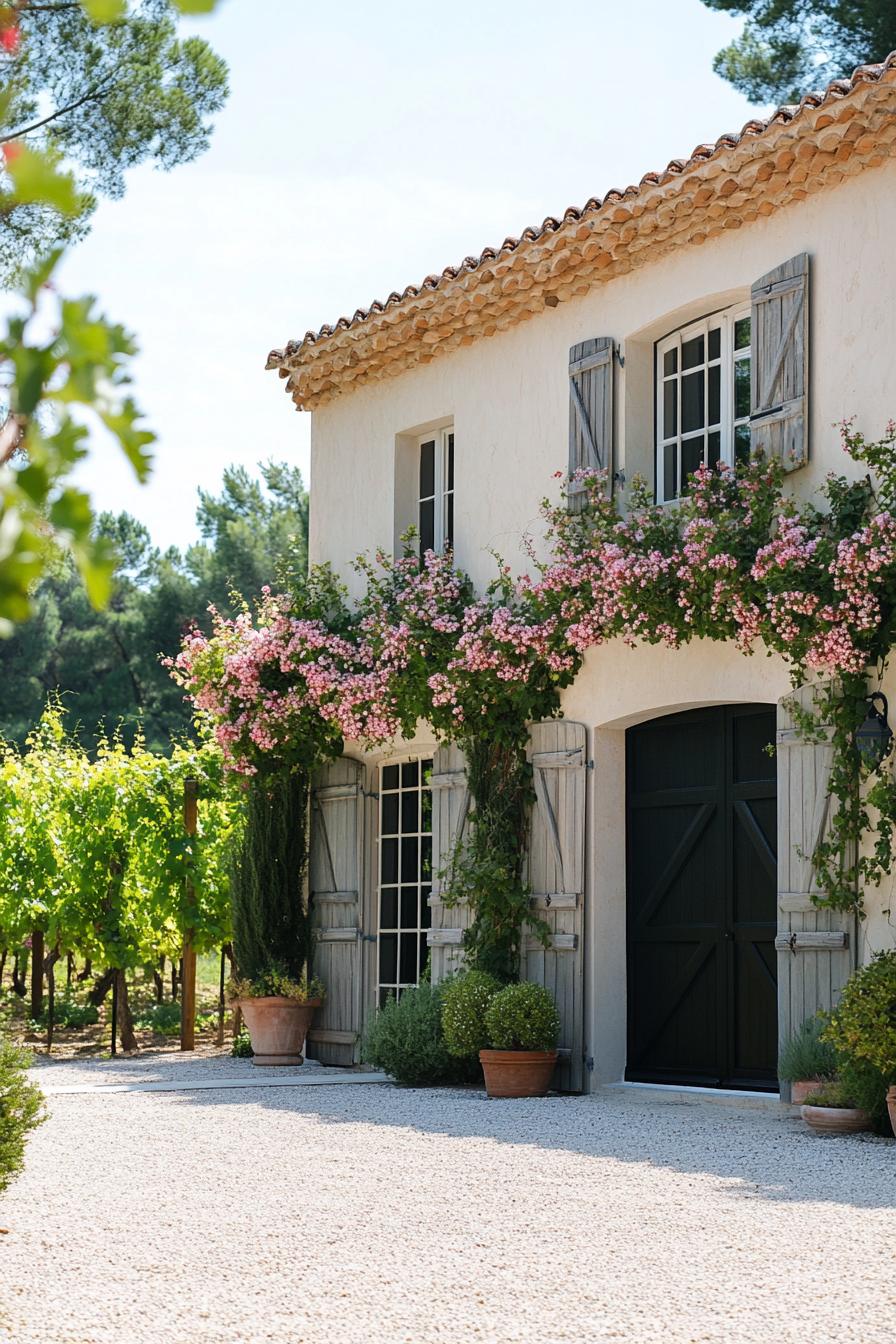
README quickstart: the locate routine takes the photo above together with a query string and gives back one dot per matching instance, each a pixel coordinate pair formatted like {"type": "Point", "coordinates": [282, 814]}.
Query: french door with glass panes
{"type": "Point", "coordinates": [405, 874]}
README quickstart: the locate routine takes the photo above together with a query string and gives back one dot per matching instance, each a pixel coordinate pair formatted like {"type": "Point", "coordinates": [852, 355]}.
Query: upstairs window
{"type": "Point", "coordinates": [435, 510]}
{"type": "Point", "coordinates": [703, 399]}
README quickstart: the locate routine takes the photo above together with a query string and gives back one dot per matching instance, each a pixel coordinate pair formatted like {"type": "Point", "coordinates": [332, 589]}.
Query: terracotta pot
{"type": "Point", "coordinates": [517, 1073]}
{"type": "Point", "coordinates": [803, 1089]}
{"type": "Point", "coordinates": [277, 1028]}
{"type": "Point", "coordinates": [835, 1119]}
{"type": "Point", "coordinates": [891, 1107]}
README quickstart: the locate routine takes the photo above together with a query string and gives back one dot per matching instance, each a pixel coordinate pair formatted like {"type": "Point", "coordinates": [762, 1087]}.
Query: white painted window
{"type": "Point", "coordinates": [435, 508]}
{"type": "Point", "coordinates": [405, 874]}
{"type": "Point", "coordinates": [702, 398]}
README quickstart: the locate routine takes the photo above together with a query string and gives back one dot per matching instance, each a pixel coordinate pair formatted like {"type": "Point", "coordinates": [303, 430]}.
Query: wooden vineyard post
{"type": "Point", "coordinates": [219, 1038]}
{"type": "Point", "coordinates": [188, 987]}
{"type": "Point", "coordinates": [37, 972]}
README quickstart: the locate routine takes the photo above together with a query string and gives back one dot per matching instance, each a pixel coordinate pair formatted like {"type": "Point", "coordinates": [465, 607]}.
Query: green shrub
{"type": "Point", "coordinates": [67, 1012]}
{"type": "Point", "coordinates": [835, 1094]}
{"type": "Point", "coordinates": [807, 1055]}
{"type": "Point", "coordinates": [271, 929]}
{"type": "Point", "coordinates": [21, 1110]}
{"type": "Point", "coordinates": [523, 1017]}
{"type": "Point", "coordinates": [161, 1017]}
{"type": "Point", "coordinates": [405, 1039]}
{"type": "Point", "coordinates": [465, 998]}
{"type": "Point", "coordinates": [242, 1046]}
{"type": "Point", "coordinates": [868, 1087]}
{"type": "Point", "coordinates": [863, 1027]}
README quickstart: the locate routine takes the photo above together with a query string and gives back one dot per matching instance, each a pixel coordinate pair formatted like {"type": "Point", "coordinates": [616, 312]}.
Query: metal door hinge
{"type": "Point", "coordinates": [368, 937]}
{"type": "Point", "coordinates": [589, 1063]}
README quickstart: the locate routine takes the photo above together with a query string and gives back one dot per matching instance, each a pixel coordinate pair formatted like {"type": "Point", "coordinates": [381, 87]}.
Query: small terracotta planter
{"type": "Point", "coordinates": [517, 1073]}
{"type": "Point", "coordinates": [835, 1119]}
{"type": "Point", "coordinates": [277, 1028]}
{"type": "Point", "coordinates": [891, 1107]}
{"type": "Point", "coordinates": [803, 1089]}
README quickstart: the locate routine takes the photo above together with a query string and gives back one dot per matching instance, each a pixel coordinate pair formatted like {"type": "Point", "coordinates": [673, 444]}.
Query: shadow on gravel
{"type": "Point", "coordinates": [754, 1154]}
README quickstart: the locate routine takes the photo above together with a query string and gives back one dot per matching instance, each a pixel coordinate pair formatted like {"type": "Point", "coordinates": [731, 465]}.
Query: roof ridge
{"type": "Point", "coordinates": [754, 128]}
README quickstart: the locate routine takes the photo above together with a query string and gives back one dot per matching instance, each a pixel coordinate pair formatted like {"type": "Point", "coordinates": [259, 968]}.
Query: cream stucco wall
{"type": "Point", "coordinates": [508, 395]}
{"type": "Point", "coordinates": [508, 400]}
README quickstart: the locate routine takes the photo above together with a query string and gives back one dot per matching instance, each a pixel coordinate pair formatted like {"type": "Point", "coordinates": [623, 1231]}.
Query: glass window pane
{"type": "Point", "coordinates": [410, 859]}
{"type": "Point", "coordinates": [426, 810]}
{"type": "Point", "coordinates": [389, 908]}
{"type": "Point", "coordinates": [670, 361]}
{"type": "Point", "coordinates": [426, 858]}
{"type": "Point", "coordinates": [741, 388]}
{"type": "Point", "coordinates": [714, 448]}
{"type": "Point", "coordinates": [390, 777]}
{"type": "Point", "coordinates": [427, 469]}
{"type": "Point", "coordinates": [410, 907]}
{"type": "Point", "coordinates": [408, 965]}
{"type": "Point", "coordinates": [670, 471]}
{"type": "Point", "coordinates": [425, 909]}
{"type": "Point", "coordinates": [388, 958]}
{"type": "Point", "coordinates": [715, 395]}
{"type": "Point", "coordinates": [715, 342]}
{"type": "Point", "coordinates": [450, 468]}
{"type": "Point", "coordinates": [385, 996]}
{"type": "Point", "coordinates": [388, 861]}
{"type": "Point", "coordinates": [424, 954]}
{"type": "Point", "coordinates": [427, 526]}
{"type": "Point", "coordinates": [691, 459]}
{"type": "Point", "coordinates": [389, 821]}
{"type": "Point", "coordinates": [692, 409]}
{"type": "Point", "coordinates": [670, 409]}
{"type": "Point", "coordinates": [742, 333]}
{"type": "Point", "coordinates": [410, 774]}
{"type": "Point", "coordinates": [742, 443]}
{"type": "Point", "coordinates": [692, 352]}
{"type": "Point", "coordinates": [410, 811]}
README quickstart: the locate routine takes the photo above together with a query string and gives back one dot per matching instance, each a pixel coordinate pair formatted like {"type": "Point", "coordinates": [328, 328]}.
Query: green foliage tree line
{"type": "Point", "coordinates": [106, 664]}
{"type": "Point", "coordinates": [788, 47]}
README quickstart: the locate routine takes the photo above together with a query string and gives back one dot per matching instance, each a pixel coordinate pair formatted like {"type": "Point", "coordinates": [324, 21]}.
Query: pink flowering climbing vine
{"type": "Point", "coordinates": [739, 559]}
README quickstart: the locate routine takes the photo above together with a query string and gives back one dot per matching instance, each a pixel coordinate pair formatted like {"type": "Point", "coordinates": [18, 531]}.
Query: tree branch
{"type": "Point", "coordinates": [97, 91]}
{"type": "Point", "coordinates": [11, 436]}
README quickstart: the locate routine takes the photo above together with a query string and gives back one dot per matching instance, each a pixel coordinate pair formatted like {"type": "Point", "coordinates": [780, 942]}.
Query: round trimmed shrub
{"type": "Point", "coordinates": [405, 1039]}
{"type": "Point", "coordinates": [863, 1027]}
{"type": "Point", "coordinates": [465, 998]}
{"type": "Point", "coordinates": [523, 1017]}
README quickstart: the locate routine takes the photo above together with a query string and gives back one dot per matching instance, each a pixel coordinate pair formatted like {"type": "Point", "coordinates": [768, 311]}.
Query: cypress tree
{"type": "Point", "coordinates": [271, 929]}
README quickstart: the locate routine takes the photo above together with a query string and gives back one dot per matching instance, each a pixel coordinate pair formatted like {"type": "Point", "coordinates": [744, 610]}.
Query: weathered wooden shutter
{"type": "Point", "coordinates": [590, 411]}
{"type": "Point", "coordinates": [556, 876]}
{"type": "Point", "coordinates": [450, 809]}
{"type": "Point", "coordinates": [779, 420]}
{"type": "Point", "coordinates": [816, 948]}
{"type": "Point", "coordinates": [335, 868]}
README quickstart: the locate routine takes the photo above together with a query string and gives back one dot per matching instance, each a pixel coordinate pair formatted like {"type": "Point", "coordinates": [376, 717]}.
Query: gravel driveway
{"type": "Point", "coordinates": [329, 1215]}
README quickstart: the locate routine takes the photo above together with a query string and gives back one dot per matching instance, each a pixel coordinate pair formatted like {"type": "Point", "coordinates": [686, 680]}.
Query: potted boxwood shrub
{"type": "Point", "coordinates": [271, 929]}
{"type": "Point", "coordinates": [523, 1027]}
{"type": "Point", "coordinates": [465, 1000]}
{"type": "Point", "coordinates": [863, 1027]}
{"type": "Point", "coordinates": [832, 1109]}
{"type": "Point", "coordinates": [807, 1060]}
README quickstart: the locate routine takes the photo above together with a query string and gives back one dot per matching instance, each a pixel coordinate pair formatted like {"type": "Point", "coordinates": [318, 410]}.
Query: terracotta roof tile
{"type": "Point", "coordinates": [317, 366]}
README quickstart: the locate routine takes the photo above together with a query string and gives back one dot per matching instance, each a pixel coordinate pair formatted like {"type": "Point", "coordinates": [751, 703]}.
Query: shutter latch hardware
{"type": "Point", "coordinates": [792, 943]}
{"type": "Point", "coordinates": [619, 356]}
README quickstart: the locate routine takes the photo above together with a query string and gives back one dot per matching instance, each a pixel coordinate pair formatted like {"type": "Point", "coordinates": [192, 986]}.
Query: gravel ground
{"type": "Point", "coordinates": [342, 1215]}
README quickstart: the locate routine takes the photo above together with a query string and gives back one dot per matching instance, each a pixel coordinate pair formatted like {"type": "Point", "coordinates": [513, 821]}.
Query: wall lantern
{"type": "Point", "coordinates": [874, 737]}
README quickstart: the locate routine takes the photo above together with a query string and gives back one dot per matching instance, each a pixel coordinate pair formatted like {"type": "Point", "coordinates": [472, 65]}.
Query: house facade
{"type": "Point", "coordinates": [741, 299]}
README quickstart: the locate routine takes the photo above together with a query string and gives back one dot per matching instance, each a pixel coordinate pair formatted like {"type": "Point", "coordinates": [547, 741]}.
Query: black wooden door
{"type": "Point", "coordinates": [702, 997]}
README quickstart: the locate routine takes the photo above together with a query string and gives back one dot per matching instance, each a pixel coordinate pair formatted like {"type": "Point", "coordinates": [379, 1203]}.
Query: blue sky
{"type": "Point", "coordinates": [364, 146]}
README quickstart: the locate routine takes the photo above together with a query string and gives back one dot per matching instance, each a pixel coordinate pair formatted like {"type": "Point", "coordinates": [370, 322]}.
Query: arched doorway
{"type": "Point", "coordinates": [701, 898]}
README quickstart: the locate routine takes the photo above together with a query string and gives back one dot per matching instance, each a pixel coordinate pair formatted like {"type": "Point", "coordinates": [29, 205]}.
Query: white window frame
{"type": "Point", "coordinates": [726, 321]}
{"type": "Point", "coordinates": [421, 930]}
{"type": "Point", "coordinates": [444, 441]}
